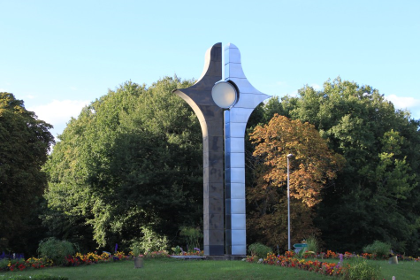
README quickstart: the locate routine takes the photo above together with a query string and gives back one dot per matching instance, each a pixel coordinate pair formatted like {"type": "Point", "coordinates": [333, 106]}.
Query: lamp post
{"type": "Point", "coordinates": [289, 156]}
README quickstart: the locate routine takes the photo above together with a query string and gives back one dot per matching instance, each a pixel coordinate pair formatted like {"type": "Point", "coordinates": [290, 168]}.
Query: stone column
{"type": "Point", "coordinates": [211, 120]}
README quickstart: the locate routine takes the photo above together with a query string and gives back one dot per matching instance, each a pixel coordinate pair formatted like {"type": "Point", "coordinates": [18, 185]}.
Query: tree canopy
{"type": "Point", "coordinates": [25, 142]}
{"type": "Point", "coordinates": [376, 196]}
{"type": "Point", "coordinates": [131, 160]}
{"type": "Point", "coordinates": [312, 168]}
{"type": "Point", "coordinates": [130, 167]}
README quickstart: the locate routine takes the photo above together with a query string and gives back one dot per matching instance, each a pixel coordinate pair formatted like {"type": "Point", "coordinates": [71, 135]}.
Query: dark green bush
{"type": "Point", "coordinates": [259, 250]}
{"type": "Point", "coordinates": [56, 250]}
{"type": "Point", "coordinates": [379, 248]}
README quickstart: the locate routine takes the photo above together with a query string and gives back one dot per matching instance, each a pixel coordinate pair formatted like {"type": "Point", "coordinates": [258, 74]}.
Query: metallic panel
{"type": "Point", "coordinates": [249, 98]}
{"type": "Point", "coordinates": [237, 160]}
{"type": "Point", "coordinates": [237, 206]}
{"type": "Point", "coordinates": [238, 237]}
{"type": "Point", "coordinates": [237, 175]}
{"type": "Point", "coordinates": [237, 130]}
{"type": "Point", "coordinates": [239, 250]}
{"type": "Point", "coordinates": [239, 221]}
{"type": "Point", "coordinates": [237, 145]}
{"type": "Point", "coordinates": [239, 115]}
{"type": "Point", "coordinates": [237, 190]}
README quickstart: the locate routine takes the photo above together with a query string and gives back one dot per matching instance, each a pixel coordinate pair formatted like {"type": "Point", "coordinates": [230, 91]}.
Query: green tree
{"type": "Point", "coordinates": [377, 194]}
{"type": "Point", "coordinates": [131, 160]}
{"type": "Point", "coordinates": [25, 142]}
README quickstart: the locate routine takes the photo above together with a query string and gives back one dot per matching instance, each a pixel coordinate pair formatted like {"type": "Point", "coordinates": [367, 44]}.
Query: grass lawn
{"type": "Point", "coordinates": [174, 269]}
{"type": "Point", "coordinates": [199, 269]}
{"type": "Point", "coordinates": [404, 270]}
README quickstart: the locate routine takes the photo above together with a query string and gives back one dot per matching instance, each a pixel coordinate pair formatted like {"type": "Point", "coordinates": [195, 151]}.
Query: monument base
{"type": "Point", "coordinates": [226, 258]}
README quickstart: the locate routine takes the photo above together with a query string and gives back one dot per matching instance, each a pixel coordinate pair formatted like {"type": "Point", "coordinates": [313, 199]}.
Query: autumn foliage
{"type": "Point", "coordinates": [312, 168]}
{"type": "Point", "coordinates": [313, 164]}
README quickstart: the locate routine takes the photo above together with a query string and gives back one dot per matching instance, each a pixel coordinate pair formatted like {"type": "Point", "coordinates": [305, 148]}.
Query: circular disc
{"type": "Point", "coordinates": [224, 94]}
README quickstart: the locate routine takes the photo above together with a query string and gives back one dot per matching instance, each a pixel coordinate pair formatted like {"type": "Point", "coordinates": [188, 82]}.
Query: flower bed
{"type": "Point", "coordinates": [291, 259]}
{"type": "Point", "coordinates": [76, 260]}
{"type": "Point", "coordinates": [288, 260]}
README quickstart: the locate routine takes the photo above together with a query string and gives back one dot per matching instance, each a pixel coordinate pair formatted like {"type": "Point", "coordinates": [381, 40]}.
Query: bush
{"type": "Point", "coordinates": [3, 264]}
{"type": "Point", "coordinates": [259, 250]}
{"type": "Point", "coordinates": [192, 236]}
{"type": "Point", "coordinates": [360, 269]}
{"type": "Point", "coordinates": [312, 244]}
{"type": "Point", "coordinates": [56, 250]}
{"type": "Point", "coordinates": [380, 249]}
{"type": "Point", "coordinates": [151, 241]}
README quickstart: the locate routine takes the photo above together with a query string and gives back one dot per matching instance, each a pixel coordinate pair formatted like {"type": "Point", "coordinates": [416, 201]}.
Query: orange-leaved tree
{"type": "Point", "coordinates": [312, 167]}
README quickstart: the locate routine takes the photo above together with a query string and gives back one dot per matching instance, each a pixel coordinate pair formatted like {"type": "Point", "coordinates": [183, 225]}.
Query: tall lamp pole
{"type": "Point", "coordinates": [289, 156]}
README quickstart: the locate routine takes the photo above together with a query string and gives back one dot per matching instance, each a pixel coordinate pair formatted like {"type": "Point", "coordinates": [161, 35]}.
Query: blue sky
{"type": "Point", "coordinates": [61, 55]}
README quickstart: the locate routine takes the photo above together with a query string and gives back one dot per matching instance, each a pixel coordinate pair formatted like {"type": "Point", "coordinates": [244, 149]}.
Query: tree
{"type": "Point", "coordinates": [313, 167]}
{"type": "Point", "coordinates": [376, 196]}
{"type": "Point", "coordinates": [25, 142]}
{"type": "Point", "coordinates": [131, 160]}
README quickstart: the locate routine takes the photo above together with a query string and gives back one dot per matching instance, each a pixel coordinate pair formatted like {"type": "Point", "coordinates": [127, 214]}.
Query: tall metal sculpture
{"type": "Point", "coordinates": [223, 107]}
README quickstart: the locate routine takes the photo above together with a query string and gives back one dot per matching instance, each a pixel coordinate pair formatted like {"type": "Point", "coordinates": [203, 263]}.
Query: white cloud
{"type": "Point", "coordinates": [409, 103]}
{"type": "Point", "coordinates": [403, 102]}
{"type": "Point", "coordinates": [59, 112]}
{"type": "Point", "coordinates": [316, 86]}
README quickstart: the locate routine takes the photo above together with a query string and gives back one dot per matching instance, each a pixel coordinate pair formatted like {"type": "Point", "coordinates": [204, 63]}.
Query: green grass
{"type": "Point", "coordinates": [199, 269]}
{"type": "Point", "coordinates": [175, 269]}
{"type": "Point", "coordinates": [404, 270]}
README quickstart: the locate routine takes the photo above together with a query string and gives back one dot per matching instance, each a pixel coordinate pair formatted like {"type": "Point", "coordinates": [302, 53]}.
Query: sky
{"type": "Point", "coordinates": [58, 56]}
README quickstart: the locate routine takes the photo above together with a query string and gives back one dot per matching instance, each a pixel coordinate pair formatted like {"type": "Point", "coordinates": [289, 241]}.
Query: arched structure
{"type": "Point", "coordinates": [223, 107]}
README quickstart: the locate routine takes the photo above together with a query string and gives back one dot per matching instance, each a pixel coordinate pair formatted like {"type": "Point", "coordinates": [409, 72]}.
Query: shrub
{"type": "Point", "coordinates": [312, 244]}
{"type": "Point", "coordinates": [259, 250]}
{"type": "Point", "coordinates": [151, 241]}
{"type": "Point", "coordinates": [193, 236]}
{"type": "Point", "coordinates": [3, 264]}
{"type": "Point", "coordinates": [378, 248]}
{"type": "Point", "coordinates": [56, 250]}
{"type": "Point", "coordinates": [360, 269]}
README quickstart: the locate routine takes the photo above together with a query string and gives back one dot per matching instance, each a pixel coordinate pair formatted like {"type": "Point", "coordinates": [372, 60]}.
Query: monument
{"type": "Point", "coordinates": [223, 106]}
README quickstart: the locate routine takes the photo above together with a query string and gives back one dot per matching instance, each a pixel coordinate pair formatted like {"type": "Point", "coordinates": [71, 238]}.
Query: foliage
{"type": "Point", "coordinates": [136, 250]}
{"type": "Point", "coordinates": [56, 250]}
{"type": "Point", "coordinates": [259, 250]}
{"type": "Point", "coordinates": [381, 173]}
{"type": "Point", "coordinates": [312, 244]}
{"type": "Point", "coordinates": [3, 263]}
{"type": "Point", "coordinates": [313, 167]}
{"type": "Point", "coordinates": [360, 269]}
{"type": "Point", "coordinates": [192, 236]}
{"type": "Point", "coordinates": [380, 249]}
{"type": "Point", "coordinates": [131, 159]}
{"type": "Point", "coordinates": [177, 250]}
{"type": "Point", "coordinates": [25, 142]}
{"type": "Point", "coordinates": [313, 164]}
{"type": "Point", "coordinates": [150, 241]}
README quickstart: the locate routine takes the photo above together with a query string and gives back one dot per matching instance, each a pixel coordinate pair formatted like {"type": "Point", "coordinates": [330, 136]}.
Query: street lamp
{"type": "Point", "coordinates": [289, 156]}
